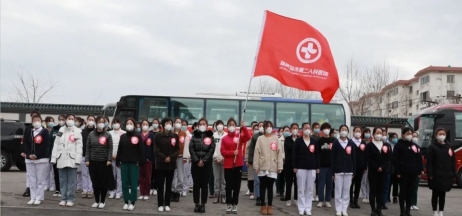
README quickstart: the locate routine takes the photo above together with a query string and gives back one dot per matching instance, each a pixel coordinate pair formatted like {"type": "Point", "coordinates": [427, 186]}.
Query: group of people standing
{"type": "Point", "coordinates": [110, 161]}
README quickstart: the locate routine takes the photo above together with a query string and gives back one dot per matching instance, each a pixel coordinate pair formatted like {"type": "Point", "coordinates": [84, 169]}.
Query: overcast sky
{"type": "Point", "coordinates": [101, 50]}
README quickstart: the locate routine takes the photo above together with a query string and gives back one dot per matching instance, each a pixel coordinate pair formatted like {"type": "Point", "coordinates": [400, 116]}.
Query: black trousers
{"type": "Point", "coordinates": [376, 188]}
{"type": "Point", "coordinates": [233, 184]}
{"type": "Point", "coordinates": [356, 185]}
{"type": "Point", "coordinates": [266, 185]}
{"type": "Point", "coordinates": [394, 183]}
{"type": "Point", "coordinates": [201, 177]}
{"type": "Point", "coordinates": [291, 178]}
{"type": "Point", "coordinates": [250, 184]}
{"type": "Point", "coordinates": [406, 186]}
{"type": "Point", "coordinates": [438, 197]}
{"type": "Point", "coordinates": [164, 177]}
{"type": "Point", "coordinates": [56, 177]}
{"type": "Point", "coordinates": [153, 177]}
{"type": "Point", "coordinates": [280, 181]}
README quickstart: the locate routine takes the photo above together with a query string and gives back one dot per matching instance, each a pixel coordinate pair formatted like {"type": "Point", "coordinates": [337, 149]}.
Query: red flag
{"type": "Point", "coordinates": [297, 55]}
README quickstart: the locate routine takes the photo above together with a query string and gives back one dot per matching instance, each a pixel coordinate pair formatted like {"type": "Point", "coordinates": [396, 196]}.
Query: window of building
{"type": "Point", "coordinates": [188, 108]}
{"type": "Point", "coordinates": [258, 111]}
{"type": "Point", "coordinates": [424, 96]}
{"type": "Point", "coordinates": [222, 110]}
{"type": "Point", "coordinates": [410, 89]}
{"type": "Point", "coordinates": [424, 80]}
{"type": "Point", "coordinates": [417, 107]}
{"type": "Point", "coordinates": [417, 92]}
{"type": "Point", "coordinates": [450, 78]}
{"type": "Point", "coordinates": [394, 105]}
{"type": "Point", "coordinates": [152, 107]}
{"type": "Point", "coordinates": [410, 114]}
{"type": "Point", "coordinates": [288, 113]}
{"type": "Point", "coordinates": [410, 103]}
{"type": "Point", "coordinates": [450, 94]}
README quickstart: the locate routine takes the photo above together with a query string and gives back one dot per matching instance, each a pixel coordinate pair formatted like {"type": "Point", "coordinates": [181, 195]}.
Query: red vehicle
{"type": "Point", "coordinates": [447, 116]}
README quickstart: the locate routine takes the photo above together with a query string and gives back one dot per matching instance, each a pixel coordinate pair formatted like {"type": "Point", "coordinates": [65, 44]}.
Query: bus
{"type": "Point", "coordinates": [281, 111]}
{"type": "Point", "coordinates": [108, 108]}
{"type": "Point", "coordinates": [447, 116]}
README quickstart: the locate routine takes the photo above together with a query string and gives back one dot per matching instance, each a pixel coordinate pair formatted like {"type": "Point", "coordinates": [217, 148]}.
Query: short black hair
{"type": "Point", "coordinates": [405, 130]}
{"type": "Point", "coordinates": [315, 124]}
{"type": "Point", "coordinates": [69, 115]}
{"type": "Point", "coordinates": [306, 123]}
{"type": "Point", "coordinates": [165, 120]}
{"type": "Point", "coordinates": [294, 124]}
{"type": "Point", "coordinates": [219, 122]}
{"type": "Point", "coordinates": [34, 112]}
{"type": "Point", "coordinates": [49, 118]}
{"type": "Point", "coordinates": [326, 125]}
{"type": "Point", "coordinates": [116, 120]}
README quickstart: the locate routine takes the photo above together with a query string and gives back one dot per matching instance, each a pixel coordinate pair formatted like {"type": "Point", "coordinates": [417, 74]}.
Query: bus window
{"type": "Point", "coordinates": [152, 107]}
{"type": "Point", "coordinates": [221, 110]}
{"type": "Point", "coordinates": [334, 114]}
{"type": "Point", "coordinates": [258, 111]}
{"type": "Point", "coordinates": [130, 102]}
{"type": "Point", "coordinates": [124, 114]}
{"type": "Point", "coordinates": [187, 108]}
{"type": "Point", "coordinates": [288, 113]}
{"type": "Point", "coordinates": [426, 131]}
{"type": "Point", "coordinates": [458, 129]}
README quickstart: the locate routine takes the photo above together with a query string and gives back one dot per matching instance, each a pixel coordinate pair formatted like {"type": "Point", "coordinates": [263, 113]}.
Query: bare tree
{"type": "Point", "coordinates": [30, 88]}
{"type": "Point", "coordinates": [270, 85]}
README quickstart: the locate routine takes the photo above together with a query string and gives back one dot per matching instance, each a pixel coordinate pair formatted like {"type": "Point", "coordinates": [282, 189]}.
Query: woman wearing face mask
{"type": "Point", "coordinates": [115, 134]}
{"type": "Point", "coordinates": [280, 181]}
{"type": "Point", "coordinates": [166, 149]}
{"type": "Point", "coordinates": [250, 170]}
{"type": "Point", "coordinates": [407, 163]}
{"type": "Point", "coordinates": [360, 147]}
{"type": "Point", "coordinates": [217, 165]}
{"type": "Point", "coordinates": [130, 155]}
{"type": "Point", "coordinates": [392, 182]}
{"type": "Point", "coordinates": [290, 176]}
{"type": "Point", "coordinates": [98, 158]}
{"type": "Point", "coordinates": [335, 134]}
{"type": "Point", "coordinates": [267, 162]}
{"type": "Point", "coordinates": [305, 165]}
{"type": "Point", "coordinates": [316, 130]}
{"type": "Point", "coordinates": [253, 143]}
{"type": "Point", "coordinates": [365, 181]}
{"type": "Point", "coordinates": [441, 170]}
{"type": "Point", "coordinates": [155, 130]}
{"type": "Point", "coordinates": [50, 181]}
{"type": "Point", "coordinates": [178, 176]}
{"type": "Point", "coordinates": [106, 124]}
{"type": "Point", "coordinates": [54, 131]}
{"type": "Point", "coordinates": [415, 140]}
{"type": "Point", "coordinates": [343, 163]}
{"type": "Point", "coordinates": [78, 124]}
{"type": "Point", "coordinates": [187, 180]}
{"type": "Point", "coordinates": [378, 156]}
{"type": "Point", "coordinates": [66, 154]}
{"type": "Point", "coordinates": [232, 146]}
{"type": "Point", "coordinates": [35, 146]}
{"type": "Point", "coordinates": [147, 140]}
{"type": "Point", "coordinates": [325, 181]}
{"type": "Point", "coordinates": [201, 148]}
{"type": "Point", "coordinates": [138, 128]}
{"type": "Point", "coordinates": [86, 180]}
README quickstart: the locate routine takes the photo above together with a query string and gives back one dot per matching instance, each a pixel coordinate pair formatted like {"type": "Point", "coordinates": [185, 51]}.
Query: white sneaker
{"type": "Point", "coordinates": [70, 204]}
{"type": "Point", "coordinates": [288, 203]}
{"type": "Point", "coordinates": [296, 202]}
{"type": "Point", "coordinates": [125, 207]}
{"type": "Point", "coordinates": [344, 213]}
{"type": "Point", "coordinates": [37, 202]}
{"type": "Point", "coordinates": [111, 196]}
{"type": "Point", "coordinates": [229, 208]}
{"type": "Point", "coordinates": [31, 202]}
{"type": "Point", "coordinates": [415, 208]}
{"type": "Point", "coordinates": [183, 194]}
{"type": "Point", "coordinates": [338, 214]}
{"type": "Point", "coordinates": [308, 213]}
{"type": "Point", "coordinates": [252, 197]}
{"type": "Point", "coordinates": [366, 201]}
{"type": "Point", "coordinates": [52, 189]}
{"type": "Point", "coordinates": [95, 205]}
{"type": "Point", "coordinates": [101, 205]}
{"type": "Point", "coordinates": [320, 204]}
{"type": "Point", "coordinates": [151, 192]}
{"type": "Point", "coordinates": [131, 207]}
{"type": "Point", "coordinates": [140, 197]}
{"type": "Point", "coordinates": [435, 213]}
{"type": "Point", "coordinates": [247, 193]}
{"type": "Point", "coordinates": [316, 199]}
{"type": "Point", "coordinates": [301, 213]}
{"type": "Point", "coordinates": [145, 197]}
{"type": "Point", "coordinates": [167, 208]}
{"type": "Point", "coordinates": [155, 192]}
{"type": "Point", "coordinates": [441, 213]}
{"type": "Point", "coordinates": [160, 209]}
{"type": "Point", "coordinates": [118, 196]}
{"type": "Point", "coordinates": [328, 205]}
{"type": "Point", "coordinates": [62, 203]}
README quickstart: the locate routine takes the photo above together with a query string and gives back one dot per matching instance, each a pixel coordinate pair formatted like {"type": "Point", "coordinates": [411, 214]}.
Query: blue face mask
{"type": "Point", "coordinates": [51, 124]}
{"type": "Point", "coordinates": [287, 134]}
{"type": "Point", "coordinates": [367, 136]}
{"type": "Point", "coordinates": [394, 140]}
{"type": "Point", "coordinates": [316, 131]}
{"type": "Point", "coordinates": [106, 124]}
{"type": "Point", "coordinates": [138, 130]}
{"type": "Point", "coordinates": [184, 128]}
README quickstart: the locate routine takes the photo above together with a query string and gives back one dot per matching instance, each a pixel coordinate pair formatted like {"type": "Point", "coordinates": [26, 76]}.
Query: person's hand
{"type": "Point", "coordinates": [295, 170]}
{"type": "Point", "coordinates": [257, 171]}
{"type": "Point", "coordinates": [398, 176]}
{"type": "Point", "coordinates": [242, 123]}
{"type": "Point", "coordinates": [247, 164]}
{"type": "Point", "coordinates": [114, 158]}
{"type": "Point", "coordinates": [380, 169]}
{"type": "Point", "coordinates": [108, 163]}
{"type": "Point", "coordinates": [236, 152]}
{"type": "Point", "coordinates": [23, 154]}
{"type": "Point", "coordinates": [32, 157]}
{"type": "Point", "coordinates": [87, 163]}
{"type": "Point", "coordinates": [317, 171]}
{"type": "Point", "coordinates": [279, 170]}
{"type": "Point", "coordinates": [185, 160]}
{"type": "Point", "coordinates": [421, 173]}
{"type": "Point", "coordinates": [201, 163]}
{"type": "Point", "coordinates": [167, 160]}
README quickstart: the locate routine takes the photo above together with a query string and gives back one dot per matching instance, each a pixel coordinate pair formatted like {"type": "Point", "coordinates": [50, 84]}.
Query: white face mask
{"type": "Point", "coordinates": [100, 125]}
{"type": "Point", "coordinates": [378, 137]}
{"type": "Point", "coordinates": [307, 132]}
{"type": "Point", "coordinates": [37, 125]}
{"type": "Point", "coordinates": [130, 127]}
{"type": "Point", "coordinates": [168, 127]}
{"type": "Point", "coordinates": [441, 138]}
{"type": "Point", "coordinates": [70, 123]}
{"type": "Point", "coordinates": [326, 131]}
{"type": "Point", "coordinates": [357, 135]}
{"type": "Point", "coordinates": [295, 132]}
{"type": "Point", "coordinates": [261, 130]}
{"type": "Point", "coordinates": [82, 127]}
{"type": "Point", "coordinates": [415, 140]}
{"type": "Point", "coordinates": [343, 133]}
{"type": "Point", "coordinates": [256, 131]}
{"type": "Point", "coordinates": [177, 125]}
{"type": "Point", "coordinates": [231, 129]}
{"type": "Point", "coordinates": [408, 137]}
{"type": "Point", "coordinates": [145, 128]}
{"type": "Point", "coordinates": [155, 126]}
{"type": "Point", "coordinates": [116, 126]}
{"type": "Point", "coordinates": [269, 130]}
{"type": "Point", "coordinates": [91, 123]}
{"type": "Point", "coordinates": [202, 128]}
{"type": "Point", "coordinates": [220, 127]}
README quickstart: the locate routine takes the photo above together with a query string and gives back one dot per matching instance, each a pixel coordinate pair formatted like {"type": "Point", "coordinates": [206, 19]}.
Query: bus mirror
{"type": "Point", "coordinates": [120, 104]}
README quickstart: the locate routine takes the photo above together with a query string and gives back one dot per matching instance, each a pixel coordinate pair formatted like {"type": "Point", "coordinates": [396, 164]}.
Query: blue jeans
{"type": "Point", "coordinates": [256, 184]}
{"type": "Point", "coordinates": [387, 188]}
{"type": "Point", "coordinates": [325, 179]}
{"type": "Point", "coordinates": [67, 182]}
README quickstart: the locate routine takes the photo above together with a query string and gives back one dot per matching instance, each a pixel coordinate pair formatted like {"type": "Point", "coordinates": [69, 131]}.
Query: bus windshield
{"type": "Point", "coordinates": [426, 127]}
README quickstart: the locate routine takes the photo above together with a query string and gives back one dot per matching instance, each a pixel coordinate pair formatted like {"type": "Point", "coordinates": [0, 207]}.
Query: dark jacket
{"type": "Point", "coordinates": [305, 157]}
{"type": "Point", "coordinates": [166, 145]}
{"type": "Point", "coordinates": [54, 131]}
{"type": "Point", "coordinates": [343, 160]}
{"type": "Point", "coordinates": [252, 145]}
{"type": "Point", "coordinates": [37, 145]}
{"type": "Point", "coordinates": [85, 132]}
{"type": "Point", "coordinates": [99, 146]}
{"type": "Point", "coordinates": [376, 158]}
{"type": "Point", "coordinates": [148, 146]}
{"type": "Point", "coordinates": [407, 158]}
{"type": "Point", "coordinates": [26, 131]}
{"type": "Point", "coordinates": [324, 145]}
{"type": "Point", "coordinates": [202, 146]}
{"type": "Point", "coordinates": [441, 169]}
{"type": "Point", "coordinates": [361, 164]}
{"type": "Point", "coordinates": [130, 149]}
{"type": "Point", "coordinates": [288, 150]}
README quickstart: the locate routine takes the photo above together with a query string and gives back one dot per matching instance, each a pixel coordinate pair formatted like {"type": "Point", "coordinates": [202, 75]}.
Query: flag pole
{"type": "Point", "coordinates": [250, 82]}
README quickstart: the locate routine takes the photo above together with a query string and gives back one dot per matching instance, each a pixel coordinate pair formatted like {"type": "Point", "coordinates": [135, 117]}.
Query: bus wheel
{"type": "Point", "coordinates": [459, 178]}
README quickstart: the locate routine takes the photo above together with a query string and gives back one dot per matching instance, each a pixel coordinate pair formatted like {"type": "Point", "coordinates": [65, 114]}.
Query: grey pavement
{"type": "Point", "coordinates": [12, 203]}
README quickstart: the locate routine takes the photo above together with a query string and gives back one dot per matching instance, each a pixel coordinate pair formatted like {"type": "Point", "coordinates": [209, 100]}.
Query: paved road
{"type": "Point", "coordinates": [12, 203]}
